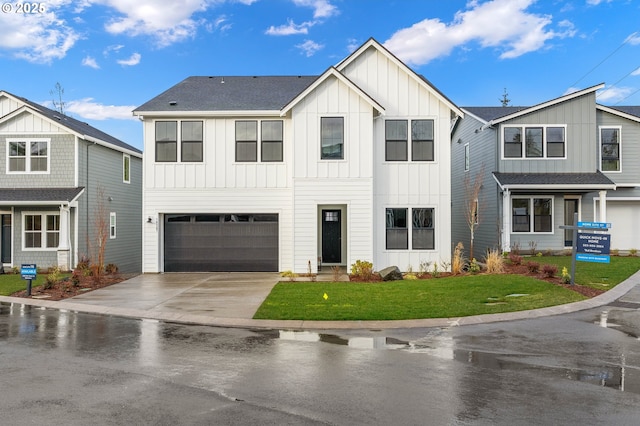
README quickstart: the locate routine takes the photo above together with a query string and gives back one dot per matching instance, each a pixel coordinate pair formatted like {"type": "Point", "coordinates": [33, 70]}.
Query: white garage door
{"type": "Point", "coordinates": [624, 217]}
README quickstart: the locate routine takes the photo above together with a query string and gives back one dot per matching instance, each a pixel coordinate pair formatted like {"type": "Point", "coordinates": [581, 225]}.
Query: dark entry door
{"type": "Point", "coordinates": [5, 238]}
{"type": "Point", "coordinates": [331, 241]}
{"type": "Point", "coordinates": [570, 208]}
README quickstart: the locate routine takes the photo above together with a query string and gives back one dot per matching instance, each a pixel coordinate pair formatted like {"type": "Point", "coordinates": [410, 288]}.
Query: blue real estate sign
{"type": "Point", "coordinates": [593, 247]}
{"type": "Point", "coordinates": [28, 271]}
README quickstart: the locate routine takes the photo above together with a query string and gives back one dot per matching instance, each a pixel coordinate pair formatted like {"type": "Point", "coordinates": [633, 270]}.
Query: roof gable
{"type": "Point", "coordinates": [332, 72]}
{"type": "Point", "coordinates": [628, 112]}
{"type": "Point", "coordinates": [372, 43]}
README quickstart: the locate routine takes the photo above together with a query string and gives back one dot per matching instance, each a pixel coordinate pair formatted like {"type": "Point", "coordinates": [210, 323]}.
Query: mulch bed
{"type": "Point", "coordinates": [65, 289]}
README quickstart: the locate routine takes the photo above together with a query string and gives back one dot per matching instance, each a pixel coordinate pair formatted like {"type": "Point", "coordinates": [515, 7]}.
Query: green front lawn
{"type": "Point", "coordinates": [438, 298]}
{"type": "Point", "coordinates": [11, 283]}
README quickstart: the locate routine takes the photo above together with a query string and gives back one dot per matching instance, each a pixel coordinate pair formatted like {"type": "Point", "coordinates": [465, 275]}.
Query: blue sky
{"type": "Point", "coordinates": [111, 56]}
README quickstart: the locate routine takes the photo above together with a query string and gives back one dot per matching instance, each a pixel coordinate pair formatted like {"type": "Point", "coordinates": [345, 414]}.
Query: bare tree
{"type": "Point", "coordinates": [472, 207]}
{"type": "Point", "coordinates": [98, 238]}
{"type": "Point", "coordinates": [59, 105]}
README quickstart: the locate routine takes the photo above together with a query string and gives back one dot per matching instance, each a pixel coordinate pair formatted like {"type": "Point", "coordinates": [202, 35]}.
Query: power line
{"type": "Point", "coordinates": [614, 84]}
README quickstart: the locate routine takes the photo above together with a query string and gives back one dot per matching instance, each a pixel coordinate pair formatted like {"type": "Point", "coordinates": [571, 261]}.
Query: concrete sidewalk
{"type": "Point", "coordinates": [231, 300]}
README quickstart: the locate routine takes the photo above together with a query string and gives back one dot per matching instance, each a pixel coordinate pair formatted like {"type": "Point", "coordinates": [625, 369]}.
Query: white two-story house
{"type": "Point", "coordinates": [276, 173]}
{"type": "Point", "coordinates": [542, 165]}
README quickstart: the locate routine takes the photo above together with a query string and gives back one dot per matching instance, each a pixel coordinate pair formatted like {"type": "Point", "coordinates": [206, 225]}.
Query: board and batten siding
{"type": "Point", "coordinates": [159, 202]}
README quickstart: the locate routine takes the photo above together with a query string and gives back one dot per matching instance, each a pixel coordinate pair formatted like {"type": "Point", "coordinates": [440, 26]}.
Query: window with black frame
{"type": "Point", "coordinates": [332, 138]}
{"type": "Point", "coordinates": [397, 229]}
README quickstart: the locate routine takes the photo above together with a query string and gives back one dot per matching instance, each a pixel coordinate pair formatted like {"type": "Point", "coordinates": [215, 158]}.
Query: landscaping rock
{"type": "Point", "coordinates": [391, 273]}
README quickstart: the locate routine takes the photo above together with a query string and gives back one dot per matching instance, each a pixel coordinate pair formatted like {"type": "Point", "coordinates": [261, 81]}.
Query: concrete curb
{"type": "Point", "coordinates": [610, 296]}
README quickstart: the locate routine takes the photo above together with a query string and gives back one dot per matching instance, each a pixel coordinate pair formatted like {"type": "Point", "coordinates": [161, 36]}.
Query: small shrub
{"type": "Point", "coordinates": [515, 248]}
{"type": "Point", "coordinates": [15, 270]}
{"type": "Point", "coordinates": [435, 273]}
{"type": "Point", "coordinates": [446, 266]}
{"type": "Point", "coordinates": [52, 277]}
{"type": "Point", "coordinates": [289, 274]}
{"type": "Point", "coordinates": [615, 252]}
{"type": "Point", "coordinates": [457, 262]}
{"type": "Point", "coordinates": [495, 262]}
{"type": "Point", "coordinates": [410, 276]}
{"type": "Point", "coordinates": [423, 267]}
{"type": "Point", "coordinates": [633, 252]}
{"type": "Point", "coordinates": [533, 245]}
{"type": "Point", "coordinates": [76, 277]}
{"type": "Point", "coordinates": [111, 268]}
{"type": "Point", "coordinates": [533, 267]}
{"type": "Point", "coordinates": [566, 277]}
{"type": "Point", "coordinates": [548, 252]}
{"type": "Point", "coordinates": [539, 254]}
{"type": "Point", "coordinates": [549, 271]}
{"type": "Point", "coordinates": [515, 259]}
{"type": "Point", "coordinates": [362, 269]}
{"type": "Point", "coordinates": [474, 267]}
{"type": "Point", "coordinates": [84, 264]}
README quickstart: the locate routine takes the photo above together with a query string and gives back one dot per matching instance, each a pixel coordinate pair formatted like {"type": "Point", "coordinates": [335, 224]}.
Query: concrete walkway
{"type": "Point", "coordinates": [231, 300]}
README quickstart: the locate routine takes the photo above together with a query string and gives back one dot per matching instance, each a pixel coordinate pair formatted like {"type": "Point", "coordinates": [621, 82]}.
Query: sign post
{"type": "Point", "coordinates": [588, 247]}
{"type": "Point", "coordinates": [29, 273]}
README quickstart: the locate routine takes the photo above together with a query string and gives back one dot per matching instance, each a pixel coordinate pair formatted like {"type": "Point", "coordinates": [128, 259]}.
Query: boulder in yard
{"type": "Point", "coordinates": [391, 273]}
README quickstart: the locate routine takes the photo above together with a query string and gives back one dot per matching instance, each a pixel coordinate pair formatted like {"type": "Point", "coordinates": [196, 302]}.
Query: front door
{"type": "Point", "coordinates": [570, 208]}
{"type": "Point", "coordinates": [331, 233]}
{"type": "Point", "coordinates": [5, 238]}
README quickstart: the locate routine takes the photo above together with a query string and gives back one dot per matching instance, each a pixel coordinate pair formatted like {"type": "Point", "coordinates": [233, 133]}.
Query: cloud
{"type": "Point", "coordinates": [613, 94]}
{"type": "Point", "coordinates": [633, 38]}
{"type": "Point", "coordinates": [289, 29]}
{"type": "Point", "coordinates": [597, 2]}
{"type": "Point", "coordinates": [90, 62]}
{"type": "Point", "coordinates": [322, 8]}
{"type": "Point", "coordinates": [133, 60]}
{"type": "Point", "coordinates": [37, 37]}
{"type": "Point", "coordinates": [500, 24]}
{"type": "Point", "coordinates": [168, 21]}
{"type": "Point", "coordinates": [88, 109]}
{"type": "Point", "coordinates": [309, 48]}
{"type": "Point", "coordinates": [636, 72]}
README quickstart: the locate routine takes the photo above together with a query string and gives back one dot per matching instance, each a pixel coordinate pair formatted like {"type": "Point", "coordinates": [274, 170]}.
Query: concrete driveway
{"type": "Point", "coordinates": [216, 294]}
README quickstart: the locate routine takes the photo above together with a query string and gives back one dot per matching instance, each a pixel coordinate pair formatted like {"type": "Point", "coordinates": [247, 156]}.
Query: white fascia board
{"type": "Point", "coordinates": [618, 113]}
{"type": "Point", "coordinates": [547, 104]}
{"type": "Point", "coordinates": [335, 73]}
{"type": "Point", "coordinates": [557, 187]}
{"type": "Point", "coordinates": [372, 42]}
{"type": "Point", "coordinates": [474, 116]}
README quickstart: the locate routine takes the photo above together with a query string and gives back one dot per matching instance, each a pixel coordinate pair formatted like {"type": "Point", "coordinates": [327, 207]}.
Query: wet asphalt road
{"type": "Point", "coordinates": [71, 368]}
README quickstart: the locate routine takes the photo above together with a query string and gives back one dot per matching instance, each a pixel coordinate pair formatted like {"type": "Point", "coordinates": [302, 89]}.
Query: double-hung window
{"type": "Point", "coordinates": [41, 230]}
{"type": "Point", "coordinates": [332, 138]}
{"type": "Point", "coordinates": [531, 142]}
{"type": "Point", "coordinates": [190, 140]}
{"type": "Point", "coordinates": [421, 226]}
{"type": "Point", "coordinates": [28, 156]}
{"type": "Point", "coordinates": [271, 140]}
{"type": "Point", "coordinates": [397, 140]}
{"type": "Point", "coordinates": [610, 149]}
{"type": "Point", "coordinates": [269, 134]}
{"type": "Point", "coordinates": [532, 214]}
{"type": "Point", "coordinates": [112, 225]}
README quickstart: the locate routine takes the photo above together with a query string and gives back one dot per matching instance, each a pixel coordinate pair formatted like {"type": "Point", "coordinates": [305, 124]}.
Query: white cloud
{"type": "Point", "coordinates": [309, 48]}
{"type": "Point", "coordinates": [88, 109]}
{"type": "Point", "coordinates": [501, 24]}
{"type": "Point", "coordinates": [133, 60]}
{"type": "Point", "coordinates": [168, 21]}
{"type": "Point", "coordinates": [321, 8]}
{"type": "Point", "coordinates": [597, 2]}
{"type": "Point", "coordinates": [289, 29]}
{"type": "Point", "coordinates": [636, 72]}
{"type": "Point", "coordinates": [90, 62]}
{"type": "Point", "coordinates": [613, 94]}
{"type": "Point", "coordinates": [113, 48]}
{"type": "Point", "coordinates": [37, 37]}
{"type": "Point", "coordinates": [633, 38]}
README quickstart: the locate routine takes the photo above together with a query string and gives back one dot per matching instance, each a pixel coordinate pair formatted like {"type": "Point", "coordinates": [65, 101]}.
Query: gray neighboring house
{"type": "Point", "coordinates": [539, 165]}
{"type": "Point", "coordinates": [56, 173]}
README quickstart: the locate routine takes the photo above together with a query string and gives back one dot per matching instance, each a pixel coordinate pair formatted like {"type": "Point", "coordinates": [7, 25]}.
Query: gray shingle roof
{"type": "Point", "coordinates": [38, 195]}
{"type": "Point", "coordinates": [201, 93]}
{"type": "Point", "coordinates": [541, 179]}
{"type": "Point", "coordinates": [76, 125]}
{"type": "Point", "coordinates": [492, 113]}
{"type": "Point", "coordinates": [631, 110]}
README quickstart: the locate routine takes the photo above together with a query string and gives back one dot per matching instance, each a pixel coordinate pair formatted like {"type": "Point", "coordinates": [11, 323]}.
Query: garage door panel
{"type": "Point", "coordinates": [625, 224]}
{"type": "Point", "coordinates": [221, 246]}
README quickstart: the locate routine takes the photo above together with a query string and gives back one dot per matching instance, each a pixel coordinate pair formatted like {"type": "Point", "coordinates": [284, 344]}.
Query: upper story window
{"type": "Point", "coordinates": [27, 156]}
{"type": "Point", "coordinates": [191, 141]}
{"type": "Point", "coordinates": [126, 168]}
{"type": "Point", "coordinates": [270, 135]}
{"type": "Point", "coordinates": [466, 157]}
{"type": "Point", "coordinates": [530, 142]}
{"type": "Point", "coordinates": [397, 140]}
{"type": "Point", "coordinates": [610, 149]}
{"type": "Point", "coordinates": [332, 138]}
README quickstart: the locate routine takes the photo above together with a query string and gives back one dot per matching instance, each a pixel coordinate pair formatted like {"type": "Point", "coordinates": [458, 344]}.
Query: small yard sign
{"type": "Point", "coordinates": [28, 271]}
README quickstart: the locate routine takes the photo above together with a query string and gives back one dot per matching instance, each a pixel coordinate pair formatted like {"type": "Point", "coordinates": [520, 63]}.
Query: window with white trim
{"type": "Point", "coordinates": [534, 142]}
{"type": "Point", "coordinates": [41, 231]}
{"type": "Point", "coordinates": [112, 225]}
{"type": "Point", "coordinates": [27, 155]}
{"type": "Point", "coordinates": [397, 140]}
{"type": "Point", "coordinates": [610, 149]}
{"type": "Point", "coordinates": [126, 168]}
{"type": "Point", "coordinates": [421, 227]}
{"type": "Point", "coordinates": [532, 215]}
